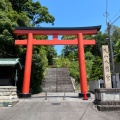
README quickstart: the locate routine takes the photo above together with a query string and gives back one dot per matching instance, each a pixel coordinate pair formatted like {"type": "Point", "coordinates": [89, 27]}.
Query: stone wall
{"type": "Point", "coordinates": [8, 95]}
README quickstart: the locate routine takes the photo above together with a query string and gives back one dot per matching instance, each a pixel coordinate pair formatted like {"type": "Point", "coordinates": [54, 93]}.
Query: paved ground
{"type": "Point", "coordinates": [55, 108]}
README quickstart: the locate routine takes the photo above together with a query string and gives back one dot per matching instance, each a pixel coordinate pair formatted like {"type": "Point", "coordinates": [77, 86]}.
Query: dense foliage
{"type": "Point", "coordinates": [92, 54]}
{"type": "Point", "coordinates": [25, 13]}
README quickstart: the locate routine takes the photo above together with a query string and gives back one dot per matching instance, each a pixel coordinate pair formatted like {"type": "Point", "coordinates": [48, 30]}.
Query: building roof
{"type": "Point", "coordinates": [10, 62]}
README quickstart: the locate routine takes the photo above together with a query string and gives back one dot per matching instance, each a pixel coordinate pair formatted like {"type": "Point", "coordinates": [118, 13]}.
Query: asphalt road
{"type": "Point", "coordinates": [55, 108]}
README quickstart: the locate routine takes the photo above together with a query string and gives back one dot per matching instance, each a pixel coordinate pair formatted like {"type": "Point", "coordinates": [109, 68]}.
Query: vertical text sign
{"type": "Point", "coordinates": [106, 67]}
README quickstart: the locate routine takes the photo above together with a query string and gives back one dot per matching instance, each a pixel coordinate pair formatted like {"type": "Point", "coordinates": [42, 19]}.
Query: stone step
{"type": "Point", "coordinates": [57, 78]}
{"type": "Point", "coordinates": [58, 89]}
{"type": "Point", "coordinates": [8, 97]}
{"type": "Point", "coordinates": [58, 82]}
{"type": "Point", "coordinates": [110, 102]}
{"type": "Point", "coordinates": [53, 90]}
{"type": "Point", "coordinates": [4, 93]}
{"type": "Point", "coordinates": [6, 87]}
{"type": "Point", "coordinates": [108, 107]}
{"type": "Point", "coordinates": [59, 85]}
{"type": "Point", "coordinates": [57, 75]}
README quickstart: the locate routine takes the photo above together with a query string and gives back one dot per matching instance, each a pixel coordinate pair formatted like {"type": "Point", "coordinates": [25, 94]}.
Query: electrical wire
{"type": "Point", "coordinates": [115, 15]}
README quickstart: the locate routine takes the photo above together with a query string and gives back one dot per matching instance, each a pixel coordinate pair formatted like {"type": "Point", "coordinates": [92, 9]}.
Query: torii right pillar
{"type": "Point", "coordinates": [82, 66]}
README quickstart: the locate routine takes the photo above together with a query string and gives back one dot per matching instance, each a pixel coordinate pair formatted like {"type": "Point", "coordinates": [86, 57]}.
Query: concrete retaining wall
{"type": "Point", "coordinates": [107, 95]}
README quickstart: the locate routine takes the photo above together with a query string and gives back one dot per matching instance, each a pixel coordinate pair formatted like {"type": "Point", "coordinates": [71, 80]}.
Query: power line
{"type": "Point", "coordinates": [115, 20]}
{"type": "Point", "coordinates": [115, 15]}
{"type": "Point", "coordinates": [107, 14]}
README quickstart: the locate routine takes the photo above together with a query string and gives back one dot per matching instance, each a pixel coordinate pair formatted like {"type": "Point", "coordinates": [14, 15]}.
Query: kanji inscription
{"type": "Point", "coordinates": [106, 66]}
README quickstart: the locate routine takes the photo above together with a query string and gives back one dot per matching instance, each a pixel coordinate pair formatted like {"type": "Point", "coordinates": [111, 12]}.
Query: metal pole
{"type": "Point", "coordinates": [56, 80]}
{"type": "Point", "coordinates": [64, 94]}
{"type": "Point", "coordinates": [111, 55]}
{"type": "Point", "coordinates": [16, 77]}
{"type": "Point", "coordinates": [46, 95]}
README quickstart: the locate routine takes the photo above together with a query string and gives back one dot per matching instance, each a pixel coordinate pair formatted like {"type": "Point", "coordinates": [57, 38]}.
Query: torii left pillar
{"type": "Point", "coordinates": [27, 72]}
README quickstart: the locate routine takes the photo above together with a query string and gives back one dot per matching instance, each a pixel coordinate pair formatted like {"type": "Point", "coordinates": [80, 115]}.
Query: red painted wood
{"type": "Point", "coordinates": [58, 32]}
{"type": "Point", "coordinates": [55, 41]}
{"type": "Point", "coordinates": [47, 42]}
{"type": "Point", "coordinates": [82, 68]}
{"type": "Point", "coordinates": [28, 62]}
{"type": "Point", "coordinates": [89, 42]}
{"type": "Point", "coordinates": [55, 37]}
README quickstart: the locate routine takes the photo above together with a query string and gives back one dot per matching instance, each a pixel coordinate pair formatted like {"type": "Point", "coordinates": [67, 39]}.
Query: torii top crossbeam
{"type": "Point", "coordinates": [57, 30]}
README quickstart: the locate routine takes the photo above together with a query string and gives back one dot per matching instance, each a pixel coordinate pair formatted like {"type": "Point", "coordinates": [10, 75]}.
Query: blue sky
{"type": "Point", "coordinates": [78, 13]}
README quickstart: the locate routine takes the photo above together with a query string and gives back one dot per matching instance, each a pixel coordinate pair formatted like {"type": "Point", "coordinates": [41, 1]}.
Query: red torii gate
{"type": "Point", "coordinates": [55, 31]}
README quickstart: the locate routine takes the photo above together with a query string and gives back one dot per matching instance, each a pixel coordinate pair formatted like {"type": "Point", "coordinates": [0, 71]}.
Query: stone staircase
{"type": "Point", "coordinates": [8, 96]}
{"type": "Point", "coordinates": [58, 80]}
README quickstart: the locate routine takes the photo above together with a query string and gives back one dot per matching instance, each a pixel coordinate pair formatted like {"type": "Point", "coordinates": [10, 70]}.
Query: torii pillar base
{"type": "Point", "coordinates": [81, 95]}
{"type": "Point", "coordinates": [21, 95]}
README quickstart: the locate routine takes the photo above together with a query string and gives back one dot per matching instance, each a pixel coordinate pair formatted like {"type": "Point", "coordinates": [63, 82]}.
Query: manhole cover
{"type": "Point", "coordinates": [56, 103]}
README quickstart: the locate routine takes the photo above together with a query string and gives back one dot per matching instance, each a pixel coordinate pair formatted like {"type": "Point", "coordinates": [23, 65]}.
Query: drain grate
{"type": "Point", "coordinates": [56, 103]}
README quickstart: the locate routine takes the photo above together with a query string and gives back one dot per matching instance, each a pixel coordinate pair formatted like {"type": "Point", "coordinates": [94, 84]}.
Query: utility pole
{"type": "Point", "coordinates": [112, 67]}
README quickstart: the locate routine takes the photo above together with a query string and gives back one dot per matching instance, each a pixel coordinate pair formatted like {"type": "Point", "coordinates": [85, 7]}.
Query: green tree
{"type": "Point", "coordinates": [97, 70]}
{"type": "Point", "coordinates": [25, 13]}
{"type": "Point", "coordinates": [70, 51]}
{"type": "Point", "coordinates": [92, 55]}
{"type": "Point", "coordinates": [74, 71]}
{"type": "Point", "coordinates": [101, 39]}
{"type": "Point", "coordinates": [89, 63]}
{"type": "Point", "coordinates": [62, 62]}
{"type": "Point", "coordinates": [39, 63]}
{"type": "Point", "coordinates": [35, 11]}
{"type": "Point", "coordinates": [117, 51]}
{"type": "Point", "coordinates": [51, 54]}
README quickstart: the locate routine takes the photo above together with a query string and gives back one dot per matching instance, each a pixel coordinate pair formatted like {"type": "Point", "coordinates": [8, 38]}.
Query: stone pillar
{"type": "Point", "coordinates": [106, 67]}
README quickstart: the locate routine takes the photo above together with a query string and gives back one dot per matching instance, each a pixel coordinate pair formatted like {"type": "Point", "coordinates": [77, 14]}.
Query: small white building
{"type": "Point", "coordinates": [95, 84]}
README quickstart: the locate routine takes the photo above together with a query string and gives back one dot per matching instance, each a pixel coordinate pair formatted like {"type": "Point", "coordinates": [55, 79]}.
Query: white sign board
{"type": "Point", "coordinates": [106, 67]}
